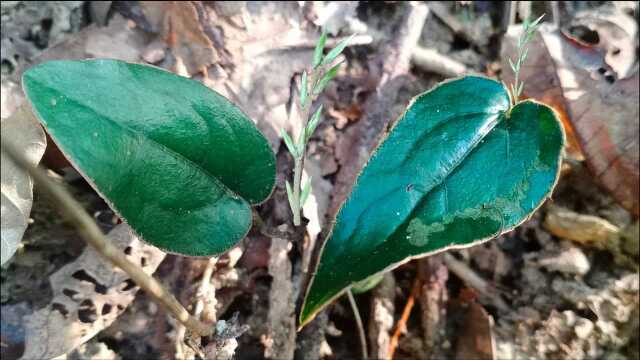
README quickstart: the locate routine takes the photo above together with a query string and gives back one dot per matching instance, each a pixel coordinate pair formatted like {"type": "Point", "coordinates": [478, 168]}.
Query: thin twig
{"type": "Point", "coordinates": [508, 14]}
{"type": "Point", "coordinates": [464, 272]}
{"type": "Point", "coordinates": [356, 314]}
{"type": "Point", "coordinates": [402, 322]}
{"type": "Point", "coordinates": [91, 233]}
{"type": "Point", "coordinates": [431, 60]}
{"type": "Point", "coordinates": [381, 318]}
{"type": "Point", "coordinates": [555, 11]}
{"type": "Point", "coordinates": [203, 289]}
{"type": "Point", "coordinates": [432, 299]}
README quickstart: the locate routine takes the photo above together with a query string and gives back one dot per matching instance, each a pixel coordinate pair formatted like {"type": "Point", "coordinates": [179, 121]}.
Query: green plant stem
{"type": "Point", "coordinates": [516, 95]}
{"type": "Point", "coordinates": [297, 180]}
{"type": "Point", "coordinates": [305, 112]}
{"type": "Point", "coordinates": [356, 314]}
{"type": "Point", "coordinates": [91, 233]}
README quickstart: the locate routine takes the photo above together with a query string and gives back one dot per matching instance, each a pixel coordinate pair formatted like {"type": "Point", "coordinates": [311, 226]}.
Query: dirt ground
{"type": "Point", "coordinates": [565, 284]}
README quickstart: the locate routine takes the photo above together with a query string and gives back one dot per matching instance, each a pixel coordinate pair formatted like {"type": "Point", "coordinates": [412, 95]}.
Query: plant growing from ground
{"type": "Point", "coordinates": [312, 84]}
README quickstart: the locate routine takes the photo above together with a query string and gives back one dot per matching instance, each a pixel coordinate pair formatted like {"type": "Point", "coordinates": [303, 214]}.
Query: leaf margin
{"type": "Point", "coordinates": [303, 321]}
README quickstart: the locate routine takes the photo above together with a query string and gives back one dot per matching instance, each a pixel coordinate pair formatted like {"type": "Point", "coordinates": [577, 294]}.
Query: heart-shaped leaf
{"type": "Point", "coordinates": [460, 167]}
{"type": "Point", "coordinates": [175, 159]}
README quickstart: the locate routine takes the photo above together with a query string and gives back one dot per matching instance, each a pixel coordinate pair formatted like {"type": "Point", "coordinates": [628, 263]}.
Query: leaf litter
{"type": "Point", "coordinates": [556, 326]}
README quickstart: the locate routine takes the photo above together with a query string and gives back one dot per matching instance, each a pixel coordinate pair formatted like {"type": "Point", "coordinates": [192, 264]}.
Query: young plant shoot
{"type": "Point", "coordinates": [528, 31]}
{"type": "Point", "coordinates": [312, 84]}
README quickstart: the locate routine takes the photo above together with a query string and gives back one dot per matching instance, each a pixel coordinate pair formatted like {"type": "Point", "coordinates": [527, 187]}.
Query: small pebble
{"type": "Point", "coordinates": [583, 328]}
{"type": "Point", "coordinates": [570, 261]}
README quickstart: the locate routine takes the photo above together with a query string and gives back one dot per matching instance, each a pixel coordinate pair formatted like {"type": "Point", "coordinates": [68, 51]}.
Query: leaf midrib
{"type": "Point", "coordinates": [444, 177]}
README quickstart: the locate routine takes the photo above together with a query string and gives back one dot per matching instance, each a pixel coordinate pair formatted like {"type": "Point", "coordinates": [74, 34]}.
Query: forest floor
{"type": "Point", "coordinates": [565, 284]}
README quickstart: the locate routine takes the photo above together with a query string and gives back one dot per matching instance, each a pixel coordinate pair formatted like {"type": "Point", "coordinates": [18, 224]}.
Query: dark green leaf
{"type": "Point", "coordinates": [453, 172]}
{"type": "Point", "coordinates": [337, 50]}
{"type": "Point", "coordinates": [179, 162]}
{"type": "Point", "coordinates": [317, 53]}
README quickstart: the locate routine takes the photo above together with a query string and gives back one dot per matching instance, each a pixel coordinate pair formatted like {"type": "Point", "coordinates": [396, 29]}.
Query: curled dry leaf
{"type": "Point", "coordinates": [88, 295]}
{"type": "Point", "coordinates": [593, 103]}
{"type": "Point", "coordinates": [23, 130]}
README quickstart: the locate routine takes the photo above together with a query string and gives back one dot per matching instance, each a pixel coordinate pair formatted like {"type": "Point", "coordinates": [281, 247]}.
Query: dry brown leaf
{"type": "Point", "coordinates": [266, 55]}
{"type": "Point", "coordinates": [476, 339]}
{"type": "Point", "coordinates": [616, 33]}
{"type": "Point", "coordinates": [345, 116]}
{"type": "Point", "coordinates": [25, 132]}
{"type": "Point", "coordinates": [602, 109]}
{"type": "Point", "coordinates": [116, 41]}
{"type": "Point", "coordinates": [183, 32]}
{"type": "Point", "coordinates": [88, 295]}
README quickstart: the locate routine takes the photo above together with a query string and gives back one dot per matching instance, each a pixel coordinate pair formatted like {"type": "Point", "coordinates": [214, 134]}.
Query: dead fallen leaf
{"type": "Point", "coordinates": [345, 116]}
{"type": "Point", "coordinates": [616, 33]}
{"type": "Point", "coordinates": [591, 231]}
{"type": "Point", "coordinates": [183, 32]}
{"type": "Point", "coordinates": [24, 131]}
{"type": "Point", "coordinates": [476, 339]}
{"type": "Point", "coordinates": [116, 41]}
{"type": "Point", "coordinates": [88, 295]}
{"type": "Point", "coordinates": [574, 78]}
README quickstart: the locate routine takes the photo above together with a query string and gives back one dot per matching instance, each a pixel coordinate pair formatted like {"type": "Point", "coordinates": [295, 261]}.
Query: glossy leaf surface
{"type": "Point", "coordinates": [455, 170]}
{"type": "Point", "coordinates": [179, 162]}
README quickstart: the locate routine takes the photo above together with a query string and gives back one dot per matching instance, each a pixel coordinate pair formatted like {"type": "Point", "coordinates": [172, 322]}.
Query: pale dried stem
{"type": "Point", "coordinates": [381, 318]}
{"type": "Point", "coordinates": [203, 290]}
{"type": "Point", "coordinates": [464, 272]}
{"type": "Point", "coordinates": [91, 233]}
{"type": "Point", "coordinates": [361, 334]}
{"type": "Point", "coordinates": [431, 60]}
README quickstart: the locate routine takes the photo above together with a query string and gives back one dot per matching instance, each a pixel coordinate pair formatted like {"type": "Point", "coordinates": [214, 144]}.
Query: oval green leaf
{"type": "Point", "coordinates": [456, 170]}
{"type": "Point", "coordinates": [178, 161]}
